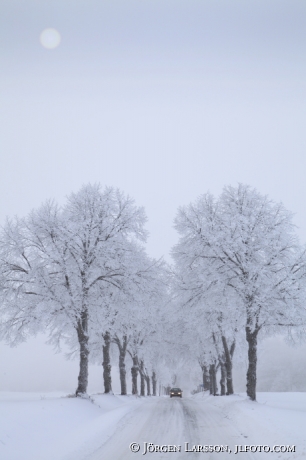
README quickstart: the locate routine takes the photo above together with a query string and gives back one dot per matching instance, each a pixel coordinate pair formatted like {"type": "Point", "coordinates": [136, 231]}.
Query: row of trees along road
{"type": "Point", "coordinates": [81, 273]}
{"type": "Point", "coordinates": [238, 267]}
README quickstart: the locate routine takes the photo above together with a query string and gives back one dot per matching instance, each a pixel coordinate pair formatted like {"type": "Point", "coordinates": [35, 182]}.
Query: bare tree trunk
{"type": "Point", "coordinates": [205, 376]}
{"type": "Point", "coordinates": [134, 372]}
{"type": "Point", "coordinates": [154, 382]}
{"type": "Point", "coordinates": [223, 377]}
{"type": "Point", "coordinates": [147, 378]}
{"type": "Point", "coordinates": [251, 337]}
{"type": "Point", "coordinates": [211, 383]}
{"type": "Point", "coordinates": [213, 380]}
{"type": "Point", "coordinates": [82, 331]}
{"type": "Point", "coordinates": [142, 385]}
{"type": "Point", "coordinates": [228, 365]}
{"type": "Point", "coordinates": [107, 377]}
{"type": "Point", "coordinates": [122, 353]}
{"type": "Point", "coordinates": [122, 370]}
{"type": "Point", "coordinates": [142, 379]}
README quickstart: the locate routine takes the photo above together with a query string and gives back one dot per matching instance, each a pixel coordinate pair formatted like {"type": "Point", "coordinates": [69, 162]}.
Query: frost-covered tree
{"type": "Point", "coordinates": [142, 322]}
{"type": "Point", "coordinates": [245, 243]}
{"type": "Point", "coordinates": [207, 312]}
{"type": "Point", "coordinates": [132, 317]}
{"type": "Point", "coordinates": [59, 265]}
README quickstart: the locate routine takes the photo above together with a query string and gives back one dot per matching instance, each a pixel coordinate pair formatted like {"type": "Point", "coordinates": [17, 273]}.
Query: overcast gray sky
{"type": "Point", "coordinates": [165, 99]}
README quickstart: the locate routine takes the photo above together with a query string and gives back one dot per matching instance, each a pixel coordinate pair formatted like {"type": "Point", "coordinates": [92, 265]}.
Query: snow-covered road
{"type": "Point", "coordinates": [172, 422]}
{"type": "Point", "coordinates": [54, 427]}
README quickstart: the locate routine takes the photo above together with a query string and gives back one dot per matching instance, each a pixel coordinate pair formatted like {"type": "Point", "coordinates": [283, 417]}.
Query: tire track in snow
{"type": "Point", "coordinates": [172, 421]}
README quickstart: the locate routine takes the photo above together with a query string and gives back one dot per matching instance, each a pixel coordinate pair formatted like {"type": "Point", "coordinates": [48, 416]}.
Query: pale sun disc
{"type": "Point", "coordinates": [50, 38]}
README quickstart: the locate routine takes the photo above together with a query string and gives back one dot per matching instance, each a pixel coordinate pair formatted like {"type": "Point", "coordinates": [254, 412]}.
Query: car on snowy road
{"type": "Point", "coordinates": [176, 392]}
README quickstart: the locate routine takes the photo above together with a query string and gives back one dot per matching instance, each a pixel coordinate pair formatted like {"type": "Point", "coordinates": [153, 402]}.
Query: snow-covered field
{"type": "Point", "coordinates": [276, 419]}
{"type": "Point", "coordinates": [50, 426]}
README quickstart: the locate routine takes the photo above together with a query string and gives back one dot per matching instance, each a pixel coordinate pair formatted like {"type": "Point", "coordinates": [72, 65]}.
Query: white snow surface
{"type": "Point", "coordinates": [50, 426]}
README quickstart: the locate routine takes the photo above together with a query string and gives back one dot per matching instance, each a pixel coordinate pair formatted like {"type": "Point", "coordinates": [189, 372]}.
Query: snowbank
{"type": "Point", "coordinates": [50, 426]}
{"type": "Point", "coordinates": [275, 419]}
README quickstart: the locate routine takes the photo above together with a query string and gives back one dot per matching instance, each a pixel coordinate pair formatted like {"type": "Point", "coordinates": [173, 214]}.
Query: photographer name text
{"type": "Point", "coordinates": [150, 447]}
